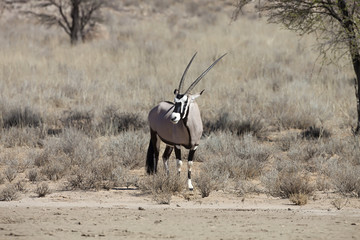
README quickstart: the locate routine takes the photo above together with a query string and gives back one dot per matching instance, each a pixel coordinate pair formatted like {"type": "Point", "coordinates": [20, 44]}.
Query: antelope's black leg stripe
{"type": "Point", "coordinates": [178, 153]}
{"type": "Point", "coordinates": [167, 152]}
{"type": "Point", "coordinates": [191, 155]}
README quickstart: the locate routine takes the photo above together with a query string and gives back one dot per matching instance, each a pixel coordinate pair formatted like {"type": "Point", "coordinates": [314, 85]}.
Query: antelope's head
{"type": "Point", "coordinates": [182, 100]}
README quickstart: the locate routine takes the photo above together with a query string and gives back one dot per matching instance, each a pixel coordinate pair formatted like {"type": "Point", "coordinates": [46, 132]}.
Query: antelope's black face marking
{"type": "Point", "coordinates": [181, 104]}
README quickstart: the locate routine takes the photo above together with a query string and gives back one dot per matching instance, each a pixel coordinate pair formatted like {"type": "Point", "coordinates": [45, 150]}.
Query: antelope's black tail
{"type": "Point", "coordinates": [150, 159]}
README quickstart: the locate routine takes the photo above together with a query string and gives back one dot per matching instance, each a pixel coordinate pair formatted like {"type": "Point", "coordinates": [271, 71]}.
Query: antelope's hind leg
{"type": "Point", "coordinates": [153, 153]}
{"type": "Point", "coordinates": [166, 155]}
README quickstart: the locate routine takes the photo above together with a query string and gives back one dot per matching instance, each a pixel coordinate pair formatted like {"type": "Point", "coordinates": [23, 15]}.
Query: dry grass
{"type": "Point", "coordinates": [42, 189]}
{"type": "Point", "coordinates": [162, 186]}
{"type": "Point", "coordinates": [78, 114]}
{"type": "Point", "coordinates": [9, 193]}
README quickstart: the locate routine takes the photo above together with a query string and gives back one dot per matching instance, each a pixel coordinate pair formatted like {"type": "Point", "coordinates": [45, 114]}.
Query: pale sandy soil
{"type": "Point", "coordinates": [129, 214]}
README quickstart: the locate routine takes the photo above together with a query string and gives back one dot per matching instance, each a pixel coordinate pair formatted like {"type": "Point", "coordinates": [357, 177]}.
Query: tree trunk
{"type": "Point", "coordinates": [356, 64]}
{"type": "Point", "coordinates": [348, 24]}
{"type": "Point", "coordinates": [75, 27]}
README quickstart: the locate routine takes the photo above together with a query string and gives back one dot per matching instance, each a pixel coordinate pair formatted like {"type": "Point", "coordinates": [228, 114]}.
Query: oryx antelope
{"type": "Point", "coordinates": [176, 124]}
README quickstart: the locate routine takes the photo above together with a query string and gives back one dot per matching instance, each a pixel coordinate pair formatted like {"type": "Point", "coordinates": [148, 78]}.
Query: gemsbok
{"type": "Point", "coordinates": [176, 124]}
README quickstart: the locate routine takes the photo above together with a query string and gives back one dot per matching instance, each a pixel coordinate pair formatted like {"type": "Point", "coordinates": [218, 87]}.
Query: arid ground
{"type": "Point", "coordinates": [128, 214]}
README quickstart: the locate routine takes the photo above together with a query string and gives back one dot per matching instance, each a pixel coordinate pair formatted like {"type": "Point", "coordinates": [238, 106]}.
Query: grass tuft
{"type": "Point", "coordinates": [114, 123]}
{"type": "Point", "coordinates": [19, 117]}
{"type": "Point", "coordinates": [42, 189]}
{"type": "Point", "coordinates": [9, 193]}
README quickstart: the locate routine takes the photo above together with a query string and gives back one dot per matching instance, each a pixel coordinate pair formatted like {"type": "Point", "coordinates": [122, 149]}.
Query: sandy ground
{"type": "Point", "coordinates": [129, 214]}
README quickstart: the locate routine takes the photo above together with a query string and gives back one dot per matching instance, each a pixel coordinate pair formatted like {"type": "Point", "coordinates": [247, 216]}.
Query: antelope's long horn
{"type": "Point", "coordinates": [183, 76]}
{"type": "Point", "coordinates": [203, 74]}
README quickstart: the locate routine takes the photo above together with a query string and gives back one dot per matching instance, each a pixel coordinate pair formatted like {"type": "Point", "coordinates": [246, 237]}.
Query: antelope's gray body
{"type": "Point", "coordinates": [187, 132]}
{"type": "Point", "coordinates": [176, 124]}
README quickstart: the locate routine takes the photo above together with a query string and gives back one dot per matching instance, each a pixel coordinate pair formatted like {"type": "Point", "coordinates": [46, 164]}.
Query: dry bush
{"type": "Point", "coordinates": [346, 177]}
{"type": "Point", "coordinates": [56, 167]}
{"type": "Point", "coordinates": [128, 149]}
{"type": "Point", "coordinates": [114, 123]}
{"type": "Point", "coordinates": [239, 158]}
{"type": "Point", "coordinates": [224, 123]}
{"type": "Point", "coordinates": [2, 178]}
{"type": "Point", "coordinates": [210, 179]}
{"type": "Point", "coordinates": [25, 136]}
{"type": "Point", "coordinates": [61, 153]}
{"type": "Point", "coordinates": [303, 151]}
{"type": "Point", "coordinates": [339, 203]}
{"type": "Point", "coordinates": [315, 133]}
{"type": "Point", "coordinates": [42, 189]}
{"type": "Point", "coordinates": [122, 177]}
{"type": "Point", "coordinates": [81, 179]}
{"type": "Point", "coordinates": [20, 186]}
{"type": "Point", "coordinates": [99, 175]}
{"type": "Point", "coordinates": [9, 193]}
{"type": "Point", "coordinates": [33, 175]}
{"type": "Point", "coordinates": [71, 145]}
{"type": "Point", "coordinates": [242, 187]}
{"type": "Point", "coordinates": [10, 173]}
{"type": "Point", "coordinates": [286, 180]}
{"type": "Point", "coordinates": [19, 117]}
{"type": "Point", "coordinates": [285, 112]}
{"type": "Point", "coordinates": [81, 120]}
{"type": "Point", "coordinates": [299, 198]}
{"type": "Point", "coordinates": [162, 186]}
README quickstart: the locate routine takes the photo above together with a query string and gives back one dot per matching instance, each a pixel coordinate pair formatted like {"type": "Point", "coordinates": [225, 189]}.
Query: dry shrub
{"type": "Point", "coordinates": [303, 150]}
{"type": "Point", "coordinates": [239, 127]}
{"type": "Point", "coordinates": [163, 186]}
{"type": "Point", "coordinates": [70, 148]}
{"type": "Point", "coordinates": [63, 144]}
{"type": "Point", "coordinates": [346, 177]}
{"type": "Point", "coordinates": [9, 193]}
{"type": "Point", "coordinates": [42, 189]}
{"type": "Point", "coordinates": [339, 203]}
{"type": "Point", "coordinates": [128, 149]}
{"type": "Point", "coordinates": [81, 120]}
{"type": "Point", "coordinates": [288, 179]}
{"type": "Point", "coordinates": [56, 167]}
{"type": "Point", "coordinates": [10, 173]}
{"type": "Point", "coordinates": [99, 175]}
{"type": "Point", "coordinates": [19, 117]}
{"type": "Point", "coordinates": [122, 177]}
{"type": "Point", "coordinates": [299, 198]}
{"type": "Point", "coordinates": [20, 186]}
{"type": "Point", "coordinates": [209, 180]}
{"type": "Point", "coordinates": [239, 158]}
{"type": "Point", "coordinates": [33, 175]}
{"type": "Point", "coordinates": [315, 133]}
{"type": "Point", "coordinates": [114, 123]}
{"type": "Point", "coordinates": [2, 178]}
{"type": "Point", "coordinates": [289, 113]}
{"type": "Point", "coordinates": [242, 187]}
{"type": "Point", "coordinates": [25, 136]}
{"type": "Point", "coordinates": [81, 179]}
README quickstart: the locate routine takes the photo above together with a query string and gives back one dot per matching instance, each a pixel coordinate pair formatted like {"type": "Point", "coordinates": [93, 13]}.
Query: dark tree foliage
{"type": "Point", "coordinates": [76, 17]}
{"type": "Point", "coordinates": [336, 24]}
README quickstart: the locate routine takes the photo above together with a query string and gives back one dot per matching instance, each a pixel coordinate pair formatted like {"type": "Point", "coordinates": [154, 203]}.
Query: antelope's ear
{"type": "Point", "coordinates": [176, 91]}
{"type": "Point", "coordinates": [196, 95]}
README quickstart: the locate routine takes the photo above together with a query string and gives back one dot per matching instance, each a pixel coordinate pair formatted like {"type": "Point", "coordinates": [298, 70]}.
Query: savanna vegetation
{"type": "Point", "coordinates": [277, 120]}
